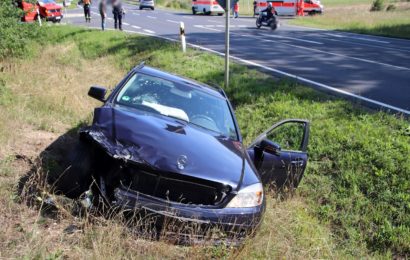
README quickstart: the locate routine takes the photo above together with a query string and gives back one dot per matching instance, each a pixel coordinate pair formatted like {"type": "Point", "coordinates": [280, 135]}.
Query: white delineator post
{"type": "Point", "coordinates": [182, 35]}
{"type": "Point", "coordinates": [38, 17]}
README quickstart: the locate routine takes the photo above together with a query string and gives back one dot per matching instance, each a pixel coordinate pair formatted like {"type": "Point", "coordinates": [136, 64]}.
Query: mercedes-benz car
{"type": "Point", "coordinates": [171, 147]}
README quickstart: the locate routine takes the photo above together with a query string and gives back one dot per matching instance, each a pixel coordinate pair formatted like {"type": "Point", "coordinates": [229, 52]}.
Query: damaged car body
{"type": "Point", "coordinates": [170, 146]}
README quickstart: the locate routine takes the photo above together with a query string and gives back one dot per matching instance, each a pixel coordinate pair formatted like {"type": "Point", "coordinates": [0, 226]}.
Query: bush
{"type": "Point", "coordinates": [14, 35]}
{"type": "Point", "coordinates": [378, 5]}
{"type": "Point", "coordinates": [391, 7]}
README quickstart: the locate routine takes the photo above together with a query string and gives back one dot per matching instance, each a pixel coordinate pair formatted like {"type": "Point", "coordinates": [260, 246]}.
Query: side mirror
{"type": "Point", "coordinates": [97, 93]}
{"type": "Point", "coordinates": [270, 146]}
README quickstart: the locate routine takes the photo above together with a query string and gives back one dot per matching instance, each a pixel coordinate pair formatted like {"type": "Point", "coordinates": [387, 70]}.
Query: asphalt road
{"type": "Point", "coordinates": [373, 70]}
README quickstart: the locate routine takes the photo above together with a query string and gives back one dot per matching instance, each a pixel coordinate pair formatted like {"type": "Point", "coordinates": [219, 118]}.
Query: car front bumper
{"type": "Point", "coordinates": [234, 222]}
{"type": "Point", "coordinates": [54, 18]}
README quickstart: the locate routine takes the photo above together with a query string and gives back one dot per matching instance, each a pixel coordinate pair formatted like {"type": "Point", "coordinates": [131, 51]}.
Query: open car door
{"type": "Point", "coordinates": [280, 153]}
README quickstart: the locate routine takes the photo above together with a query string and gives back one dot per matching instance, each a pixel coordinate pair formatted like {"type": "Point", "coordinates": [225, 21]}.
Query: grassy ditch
{"type": "Point", "coordinates": [355, 16]}
{"type": "Point", "coordinates": [353, 200]}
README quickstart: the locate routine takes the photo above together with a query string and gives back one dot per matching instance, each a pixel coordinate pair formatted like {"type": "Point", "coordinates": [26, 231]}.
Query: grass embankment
{"type": "Point", "coordinates": [353, 201]}
{"type": "Point", "coordinates": [355, 16]}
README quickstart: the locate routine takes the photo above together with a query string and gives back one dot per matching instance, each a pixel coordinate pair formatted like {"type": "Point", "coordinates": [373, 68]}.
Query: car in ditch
{"type": "Point", "coordinates": [171, 147]}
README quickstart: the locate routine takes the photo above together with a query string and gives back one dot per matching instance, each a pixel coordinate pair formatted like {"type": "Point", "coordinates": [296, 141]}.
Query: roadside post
{"type": "Point", "coordinates": [227, 14]}
{"type": "Point", "coordinates": [226, 4]}
{"type": "Point", "coordinates": [38, 16]}
{"type": "Point", "coordinates": [182, 35]}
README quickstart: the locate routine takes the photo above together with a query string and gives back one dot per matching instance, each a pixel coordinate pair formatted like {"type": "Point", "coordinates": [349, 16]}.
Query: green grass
{"type": "Point", "coordinates": [355, 16]}
{"type": "Point", "coordinates": [352, 202]}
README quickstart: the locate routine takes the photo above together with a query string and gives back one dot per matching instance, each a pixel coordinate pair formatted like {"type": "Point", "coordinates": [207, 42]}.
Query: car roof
{"type": "Point", "coordinates": [181, 80]}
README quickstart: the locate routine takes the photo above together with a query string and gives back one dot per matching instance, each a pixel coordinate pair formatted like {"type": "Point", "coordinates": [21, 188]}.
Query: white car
{"type": "Point", "coordinates": [147, 4]}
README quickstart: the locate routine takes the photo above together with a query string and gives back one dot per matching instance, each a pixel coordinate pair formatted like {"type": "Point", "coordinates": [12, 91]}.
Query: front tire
{"type": "Point", "coordinates": [258, 23]}
{"type": "Point", "coordinates": [193, 11]}
{"type": "Point", "coordinates": [273, 24]}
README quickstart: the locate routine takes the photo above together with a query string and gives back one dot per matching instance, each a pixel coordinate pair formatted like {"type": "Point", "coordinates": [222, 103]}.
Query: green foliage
{"type": "Point", "coordinates": [377, 5]}
{"type": "Point", "coordinates": [15, 36]}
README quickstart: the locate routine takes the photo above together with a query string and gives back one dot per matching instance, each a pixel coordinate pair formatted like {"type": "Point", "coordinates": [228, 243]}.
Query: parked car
{"type": "Point", "coordinates": [50, 10]}
{"type": "Point", "coordinates": [171, 147]}
{"type": "Point", "coordinates": [147, 4]}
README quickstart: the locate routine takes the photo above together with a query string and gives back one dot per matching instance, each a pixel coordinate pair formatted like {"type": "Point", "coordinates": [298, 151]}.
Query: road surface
{"type": "Point", "coordinates": [373, 70]}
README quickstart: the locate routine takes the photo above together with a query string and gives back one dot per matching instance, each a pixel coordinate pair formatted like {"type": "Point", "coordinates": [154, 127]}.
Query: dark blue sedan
{"type": "Point", "coordinates": [171, 147]}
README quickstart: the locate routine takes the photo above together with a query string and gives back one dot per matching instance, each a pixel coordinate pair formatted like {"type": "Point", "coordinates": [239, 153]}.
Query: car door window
{"type": "Point", "coordinates": [289, 136]}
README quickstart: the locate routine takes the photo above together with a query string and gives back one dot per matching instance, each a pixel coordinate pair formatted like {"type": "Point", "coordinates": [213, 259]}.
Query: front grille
{"type": "Point", "coordinates": [174, 187]}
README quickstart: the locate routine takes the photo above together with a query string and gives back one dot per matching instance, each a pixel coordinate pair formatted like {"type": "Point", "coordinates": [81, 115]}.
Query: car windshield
{"type": "Point", "coordinates": [178, 101]}
{"type": "Point", "coordinates": [47, 1]}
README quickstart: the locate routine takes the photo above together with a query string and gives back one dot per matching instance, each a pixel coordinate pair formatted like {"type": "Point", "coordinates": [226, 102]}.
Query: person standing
{"type": "Point", "coordinates": [255, 5]}
{"type": "Point", "coordinates": [236, 10]}
{"type": "Point", "coordinates": [103, 12]}
{"type": "Point", "coordinates": [117, 12]}
{"type": "Point", "coordinates": [87, 10]}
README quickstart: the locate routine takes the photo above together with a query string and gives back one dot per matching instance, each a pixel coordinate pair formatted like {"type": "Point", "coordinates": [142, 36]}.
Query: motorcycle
{"type": "Point", "coordinates": [263, 20]}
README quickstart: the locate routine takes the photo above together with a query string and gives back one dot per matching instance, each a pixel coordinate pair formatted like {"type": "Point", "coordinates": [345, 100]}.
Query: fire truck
{"type": "Point", "coordinates": [291, 7]}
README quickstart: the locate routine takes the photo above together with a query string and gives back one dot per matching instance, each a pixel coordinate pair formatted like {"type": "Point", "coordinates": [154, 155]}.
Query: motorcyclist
{"type": "Point", "coordinates": [269, 11]}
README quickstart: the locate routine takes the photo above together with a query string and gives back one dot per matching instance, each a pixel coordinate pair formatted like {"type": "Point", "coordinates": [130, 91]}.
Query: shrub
{"type": "Point", "coordinates": [14, 35]}
{"type": "Point", "coordinates": [378, 5]}
{"type": "Point", "coordinates": [391, 7]}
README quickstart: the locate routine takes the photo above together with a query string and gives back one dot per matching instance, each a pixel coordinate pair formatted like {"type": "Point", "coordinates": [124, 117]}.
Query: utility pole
{"type": "Point", "coordinates": [227, 14]}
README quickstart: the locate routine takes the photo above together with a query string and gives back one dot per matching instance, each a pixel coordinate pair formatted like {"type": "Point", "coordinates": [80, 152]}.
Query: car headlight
{"type": "Point", "coordinates": [250, 196]}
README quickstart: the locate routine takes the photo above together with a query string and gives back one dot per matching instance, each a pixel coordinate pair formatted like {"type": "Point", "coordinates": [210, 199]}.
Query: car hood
{"type": "Point", "coordinates": [170, 145]}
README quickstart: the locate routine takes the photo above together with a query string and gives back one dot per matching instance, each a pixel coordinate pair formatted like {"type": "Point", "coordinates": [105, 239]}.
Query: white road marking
{"type": "Point", "coordinates": [209, 25]}
{"type": "Point", "coordinates": [291, 38]}
{"type": "Point", "coordinates": [172, 21]}
{"type": "Point", "coordinates": [135, 14]}
{"type": "Point", "coordinates": [151, 17]}
{"type": "Point", "coordinates": [73, 15]}
{"type": "Point", "coordinates": [283, 73]}
{"type": "Point", "coordinates": [368, 45]}
{"type": "Point", "coordinates": [109, 18]}
{"type": "Point", "coordinates": [203, 27]}
{"type": "Point", "coordinates": [136, 27]}
{"type": "Point", "coordinates": [148, 31]}
{"type": "Point", "coordinates": [125, 23]}
{"type": "Point", "coordinates": [242, 26]}
{"type": "Point", "coordinates": [335, 54]}
{"type": "Point", "coordinates": [357, 38]}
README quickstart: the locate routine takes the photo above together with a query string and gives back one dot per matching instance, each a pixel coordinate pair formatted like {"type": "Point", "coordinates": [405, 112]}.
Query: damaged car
{"type": "Point", "coordinates": [171, 147]}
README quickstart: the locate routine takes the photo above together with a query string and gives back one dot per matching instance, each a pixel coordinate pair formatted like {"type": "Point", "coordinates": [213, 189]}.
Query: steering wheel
{"type": "Point", "coordinates": [204, 121]}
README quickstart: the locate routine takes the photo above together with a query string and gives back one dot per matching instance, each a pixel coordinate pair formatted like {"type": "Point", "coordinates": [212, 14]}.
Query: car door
{"type": "Point", "coordinates": [280, 153]}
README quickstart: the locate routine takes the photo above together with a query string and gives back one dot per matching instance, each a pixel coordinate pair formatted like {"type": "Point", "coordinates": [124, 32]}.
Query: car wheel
{"type": "Point", "coordinates": [193, 11]}
{"type": "Point", "coordinates": [140, 7]}
{"type": "Point", "coordinates": [77, 176]}
{"type": "Point", "coordinates": [152, 8]}
{"type": "Point", "coordinates": [220, 14]}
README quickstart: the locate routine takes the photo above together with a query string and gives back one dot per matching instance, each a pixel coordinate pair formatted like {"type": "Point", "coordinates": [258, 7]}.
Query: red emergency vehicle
{"type": "Point", "coordinates": [207, 7]}
{"type": "Point", "coordinates": [291, 7]}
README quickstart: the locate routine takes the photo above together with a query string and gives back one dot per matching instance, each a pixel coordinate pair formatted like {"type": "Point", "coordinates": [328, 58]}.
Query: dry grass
{"type": "Point", "coordinates": [47, 100]}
